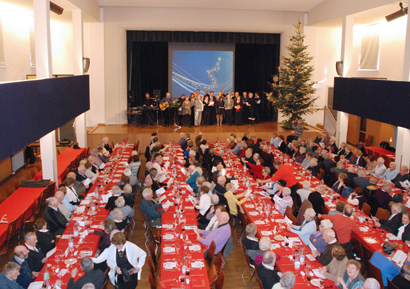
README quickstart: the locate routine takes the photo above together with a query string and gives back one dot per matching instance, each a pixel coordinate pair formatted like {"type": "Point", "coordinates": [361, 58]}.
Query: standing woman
{"type": "Point", "coordinates": [199, 107]}
{"type": "Point", "coordinates": [251, 108]}
{"type": "Point", "coordinates": [220, 110]}
{"type": "Point", "coordinates": [180, 101]}
{"type": "Point", "coordinates": [238, 111]}
{"type": "Point", "coordinates": [207, 110]}
{"type": "Point", "coordinates": [186, 112]}
{"type": "Point", "coordinates": [228, 109]}
{"type": "Point", "coordinates": [258, 107]}
{"type": "Point", "coordinates": [124, 256]}
{"type": "Point", "coordinates": [192, 97]}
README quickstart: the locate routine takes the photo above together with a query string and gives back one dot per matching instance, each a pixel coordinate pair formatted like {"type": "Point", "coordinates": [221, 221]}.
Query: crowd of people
{"type": "Point", "coordinates": [217, 200]}
{"type": "Point", "coordinates": [208, 109]}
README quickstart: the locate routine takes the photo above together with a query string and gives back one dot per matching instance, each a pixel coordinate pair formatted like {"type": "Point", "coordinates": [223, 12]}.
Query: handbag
{"type": "Point", "coordinates": [125, 275]}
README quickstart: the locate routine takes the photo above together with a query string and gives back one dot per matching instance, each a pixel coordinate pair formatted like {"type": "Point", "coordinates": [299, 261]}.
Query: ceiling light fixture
{"type": "Point", "coordinates": [397, 14]}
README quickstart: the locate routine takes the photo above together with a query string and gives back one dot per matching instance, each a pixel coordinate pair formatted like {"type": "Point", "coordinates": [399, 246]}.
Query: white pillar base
{"type": "Point", "coordinates": [49, 157]}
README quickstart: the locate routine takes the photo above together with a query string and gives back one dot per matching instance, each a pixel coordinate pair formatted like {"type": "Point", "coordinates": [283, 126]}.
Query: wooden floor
{"type": "Point", "coordinates": [117, 133]}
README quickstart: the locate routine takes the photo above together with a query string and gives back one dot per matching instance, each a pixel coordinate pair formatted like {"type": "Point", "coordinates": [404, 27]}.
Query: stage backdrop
{"type": "Point", "coordinates": [255, 60]}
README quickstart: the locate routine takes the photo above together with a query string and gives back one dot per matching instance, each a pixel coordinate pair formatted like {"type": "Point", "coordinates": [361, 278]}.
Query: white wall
{"type": "Point", "coordinates": [117, 20]}
{"type": "Point", "coordinates": [16, 33]}
{"type": "Point", "coordinates": [94, 49]}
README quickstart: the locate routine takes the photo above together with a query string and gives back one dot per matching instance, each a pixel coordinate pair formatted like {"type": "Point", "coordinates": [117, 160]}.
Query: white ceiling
{"type": "Point", "coordinates": [276, 5]}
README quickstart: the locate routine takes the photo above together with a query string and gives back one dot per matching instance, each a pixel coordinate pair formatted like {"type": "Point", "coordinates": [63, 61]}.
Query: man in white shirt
{"type": "Point", "coordinates": [380, 167]}
{"type": "Point", "coordinates": [64, 205]}
{"type": "Point", "coordinates": [391, 172]}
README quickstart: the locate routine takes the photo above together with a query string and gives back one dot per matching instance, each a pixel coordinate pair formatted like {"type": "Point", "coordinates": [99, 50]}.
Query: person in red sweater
{"type": "Point", "coordinates": [256, 170]}
{"type": "Point", "coordinates": [265, 174]}
{"type": "Point", "coordinates": [344, 227]}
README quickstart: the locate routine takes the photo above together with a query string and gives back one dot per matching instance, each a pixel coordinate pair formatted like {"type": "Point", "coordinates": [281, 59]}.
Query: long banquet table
{"type": "Point", "coordinates": [63, 161]}
{"type": "Point", "coordinates": [179, 245]}
{"type": "Point", "coordinates": [22, 201]}
{"type": "Point", "coordinates": [86, 242]}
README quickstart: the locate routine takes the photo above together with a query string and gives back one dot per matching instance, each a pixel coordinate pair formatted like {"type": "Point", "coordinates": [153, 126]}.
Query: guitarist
{"type": "Point", "coordinates": [165, 104]}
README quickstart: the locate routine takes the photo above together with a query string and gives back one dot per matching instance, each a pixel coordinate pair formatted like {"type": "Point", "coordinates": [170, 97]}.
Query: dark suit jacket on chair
{"type": "Point", "coordinates": [392, 225]}
{"type": "Point", "coordinates": [55, 220]}
{"type": "Point", "coordinates": [96, 277]}
{"type": "Point", "coordinates": [326, 257]}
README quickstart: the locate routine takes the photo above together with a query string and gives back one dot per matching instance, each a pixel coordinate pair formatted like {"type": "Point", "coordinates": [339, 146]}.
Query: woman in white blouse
{"type": "Point", "coordinates": [204, 201]}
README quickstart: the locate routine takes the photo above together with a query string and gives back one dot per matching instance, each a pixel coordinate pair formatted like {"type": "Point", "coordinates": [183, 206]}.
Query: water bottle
{"type": "Point", "coordinates": [46, 277]}
{"type": "Point", "coordinates": [244, 169]}
{"type": "Point", "coordinates": [184, 266]}
{"type": "Point", "coordinates": [97, 194]}
{"type": "Point", "coordinates": [297, 261]}
{"type": "Point", "coordinates": [92, 206]}
{"type": "Point", "coordinates": [331, 194]}
{"type": "Point", "coordinates": [302, 256]}
{"type": "Point", "coordinates": [71, 241]}
{"type": "Point", "coordinates": [75, 231]}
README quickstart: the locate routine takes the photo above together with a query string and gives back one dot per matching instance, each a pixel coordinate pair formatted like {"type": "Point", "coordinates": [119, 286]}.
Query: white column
{"type": "Point", "coordinates": [401, 134]}
{"type": "Point", "coordinates": [41, 10]}
{"type": "Point", "coordinates": [80, 125]}
{"type": "Point", "coordinates": [346, 53]}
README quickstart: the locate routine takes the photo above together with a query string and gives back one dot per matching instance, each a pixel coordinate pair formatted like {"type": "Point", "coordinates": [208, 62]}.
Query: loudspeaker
{"type": "Point", "coordinates": [156, 94]}
{"type": "Point", "coordinates": [339, 68]}
{"type": "Point", "coordinates": [56, 9]}
{"type": "Point", "coordinates": [86, 63]}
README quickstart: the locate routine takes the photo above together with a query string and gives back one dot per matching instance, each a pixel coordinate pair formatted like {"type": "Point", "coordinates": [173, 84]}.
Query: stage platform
{"type": "Point", "coordinates": [117, 133]}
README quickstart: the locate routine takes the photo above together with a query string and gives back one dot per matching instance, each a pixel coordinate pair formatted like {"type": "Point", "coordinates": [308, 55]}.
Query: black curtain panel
{"type": "Point", "coordinates": [255, 64]}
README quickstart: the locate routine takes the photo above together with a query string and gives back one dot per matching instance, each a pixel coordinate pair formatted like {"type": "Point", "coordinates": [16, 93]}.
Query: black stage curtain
{"type": "Point", "coordinates": [255, 64]}
{"type": "Point", "coordinates": [256, 60]}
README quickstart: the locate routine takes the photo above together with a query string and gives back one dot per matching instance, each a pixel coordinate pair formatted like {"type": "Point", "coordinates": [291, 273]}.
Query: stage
{"type": "Point", "coordinates": [117, 133]}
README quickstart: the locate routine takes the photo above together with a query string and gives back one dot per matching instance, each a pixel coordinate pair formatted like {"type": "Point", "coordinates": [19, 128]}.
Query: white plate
{"type": "Point", "coordinates": [279, 238]}
{"type": "Point", "coordinates": [315, 282]}
{"type": "Point", "coordinates": [70, 261]}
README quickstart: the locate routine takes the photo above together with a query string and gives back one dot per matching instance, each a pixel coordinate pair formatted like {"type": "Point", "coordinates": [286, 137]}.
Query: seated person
{"type": "Point", "coordinates": [92, 175]}
{"type": "Point", "coordinates": [125, 180]}
{"type": "Point", "coordinates": [203, 220]}
{"type": "Point", "coordinates": [340, 207]}
{"type": "Point", "coordinates": [357, 198]}
{"type": "Point", "coordinates": [151, 209]}
{"type": "Point", "coordinates": [116, 192]}
{"type": "Point", "coordinates": [329, 236]}
{"type": "Point", "coordinates": [316, 238]}
{"type": "Point", "coordinates": [305, 192]}
{"type": "Point", "coordinates": [380, 168]}
{"type": "Point", "coordinates": [220, 235]}
{"type": "Point", "coordinates": [266, 271]}
{"type": "Point", "coordinates": [402, 176]}
{"type": "Point", "coordinates": [250, 241]}
{"type": "Point", "coordinates": [220, 190]}
{"type": "Point", "coordinates": [96, 277]}
{"type": "Point", "coordinates": [119, 219]}
{"type": "Point", "coordinates": [391, 172]}
{"type": "Point", "coordinates": [46, 239]}
{"type": "Point", "coordinates": [402, 280]}
{"type": "Point", "coordinates": [285, 202]}
{"type": "Point", "coordinates": [127, 211]}
{"type": "Point", "coordinates": [204, 201]}
{"type": "Point", "coordinates": [191, 177]}
{"type": "Point", "coordinates": [404, 230]}
{"type": "Point", "coordinates": [26, 275]}
{"type": "Point", "coordinates": [82, 178]}
{"type": "Point", "coordinates": [135, 164]}
{"type": "Point", "coordinates": [9, 276]}
{"type": "Point", "coordinates": [383, 261]}
{"type": "Point", "coordinates": [351, 279]}
{"type": "Point", "coordinates": [64, 205]}
{"type": "Point", "coordinates": [287, 281]}
{"type": "Point", "coordinates": [36, 258]}
{"type": "Point", "coordinates": [393, 223]}
{"type": "Point", "coordinates": [233, 199]}
{"type": "Point", "coordinates": [255, 255]}
{"type": "Point", "coordinates": [55, 219]}
{"type": "Point", "coordinates": [72, 195]}
{"type": "Point", "coordinates": [133, 179]}
{"type": "Point", "coordinates": [128, 195]}
{"type": "Point", "coordinates": [107, 227]}
{"type": "Point", "coordinates": [361, 179]}
{"type": "Point", "coordinates": [265, 174]}
{"type": "Point", "coordinates": [307, 228]}
{"type": "Point", "coordinates": [383, 196]}
{"type": "Point", "coordinates": [337, 266]}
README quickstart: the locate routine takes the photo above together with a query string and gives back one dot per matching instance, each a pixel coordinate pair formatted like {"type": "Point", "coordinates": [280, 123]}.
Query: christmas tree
{"type": "Point", "coordinates": [292, 89]}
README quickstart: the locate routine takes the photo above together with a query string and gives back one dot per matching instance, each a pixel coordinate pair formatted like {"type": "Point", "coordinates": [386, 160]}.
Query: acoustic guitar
{"type": "Point", "coordinates": [163, 106]}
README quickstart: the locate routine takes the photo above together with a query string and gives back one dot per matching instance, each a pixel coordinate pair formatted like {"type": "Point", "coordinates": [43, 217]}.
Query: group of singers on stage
{"type": "Point", "coordinates": [209, 109]}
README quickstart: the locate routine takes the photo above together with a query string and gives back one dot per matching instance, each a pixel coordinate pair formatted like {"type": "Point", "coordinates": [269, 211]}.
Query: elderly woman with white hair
{"type": "Point", "coordinates": [286, 201]}
{"type": "Point", "coordinates": [287, 281]}
{"type": "Point", "coordinates": [316, 238]}
{"type": "Point", "coordinates": [157, 165]}
{"type": "Point", "coordinates": [126, 210]}
{"type": "Point", "coordinates": [119, 219]}
{"type": "Point", "coordinates": [107, 146]}
{"type": "Point", "coordinates": [307, 228]}
{"type": "Point", "coordinates": [116, 192]}
{"type": "Point", "coordinates": [304, 193]}
{"type": "Point", "coordinates": [257, 255]}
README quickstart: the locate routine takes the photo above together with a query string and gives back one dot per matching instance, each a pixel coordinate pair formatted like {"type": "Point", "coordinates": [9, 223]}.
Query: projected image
{"type": "Point", "coordinates": [204, 70]}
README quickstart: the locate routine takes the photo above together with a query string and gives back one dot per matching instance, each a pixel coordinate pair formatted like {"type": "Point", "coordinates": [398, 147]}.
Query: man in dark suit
{"type": "Point", "coordinates": [216, 159]}
{"type": "Point", "coordinates": [81, 177]}
{"type": "Point", "coordinates": [55, 219]}
{"type": "Point", "coordinates": [268, 158]}
{"type": "Point", "coordinates": [282, 146]}
{"type": "Point", "coordinates": [26, 274]}
{"type": "Point", "coordinates": [36, 258]}
{"type": "Point", "coordinates": [96, 277]}
{"type": "Point", "coordinates": [317, 200]}
{"type": "Point", "coordinates": [266, 271]}
{"type": "Point", "coordinates": [401, 177]}
{"type": "Point", "coordinates": [220, 190]}
{"type": "Point", "coordinates": [326, 257]}
{"type": "Point", "coordinates": [393, 223]}
{"type": "Point", "coordinates": [404, 230]}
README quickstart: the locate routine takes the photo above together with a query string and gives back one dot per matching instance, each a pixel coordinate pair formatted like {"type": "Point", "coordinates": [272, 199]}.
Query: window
{"type": "Point", "coordinates": [369, 54]}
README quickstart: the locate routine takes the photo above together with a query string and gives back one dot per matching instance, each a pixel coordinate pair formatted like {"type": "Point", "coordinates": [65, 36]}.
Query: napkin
{"type": "Point", "coordinates": [168, 226]}
{"type": "Point", "coordinates": [253, 213]}
{"type": "Point", "coordinates": [84, 202]}
{"type": "Point", "coordinates": [317, 273]}
{"type": "Point", "coordinates": [169, 265]}
{"type": "Point", "coordinates": [168, 236]}
{"type": "Point", "coordinates": [399, 258]}
{"type": "Point", "coordinates": [36, 285]}
{"type": "Point", "coordinates": [250, 206]}
{"type": "Point", "coordinates": [197, 264]}
{"type": "Point", "coordinates": [80, 209]}
{"type": "Point", "coordinates": [370, 240]}
{"type": "Point", "coordinates": [195, 248]}
{"type": "Point", "coordinates": [364, 229]}
{"type": "Point", "coordinates": [258, 222]}
{"type": "Point", "coordinates": [390, 236]}
{"type": "Point", "coordinates": [310, 257]}
{"type": "Point", "coordinates": [266, 233]}
{"type": "Point", "coordinates": [169, 249]}
{"type": "Point", "coordinates": [160, 191]}
{"type": "Point", "coordinates": [330, 204]}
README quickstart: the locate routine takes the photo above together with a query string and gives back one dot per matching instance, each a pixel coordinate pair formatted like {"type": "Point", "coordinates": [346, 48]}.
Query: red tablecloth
{"type": "Point", "coordinates": [391, 155]}
{"type": "Point", "coordinates": [183, 245]}
{"type": "Point", "coordinates": [63, 161]}
{"type": "Point", "coordinates": [15, 205]}
{"type": "Point", "coordinates": [91, 241]}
